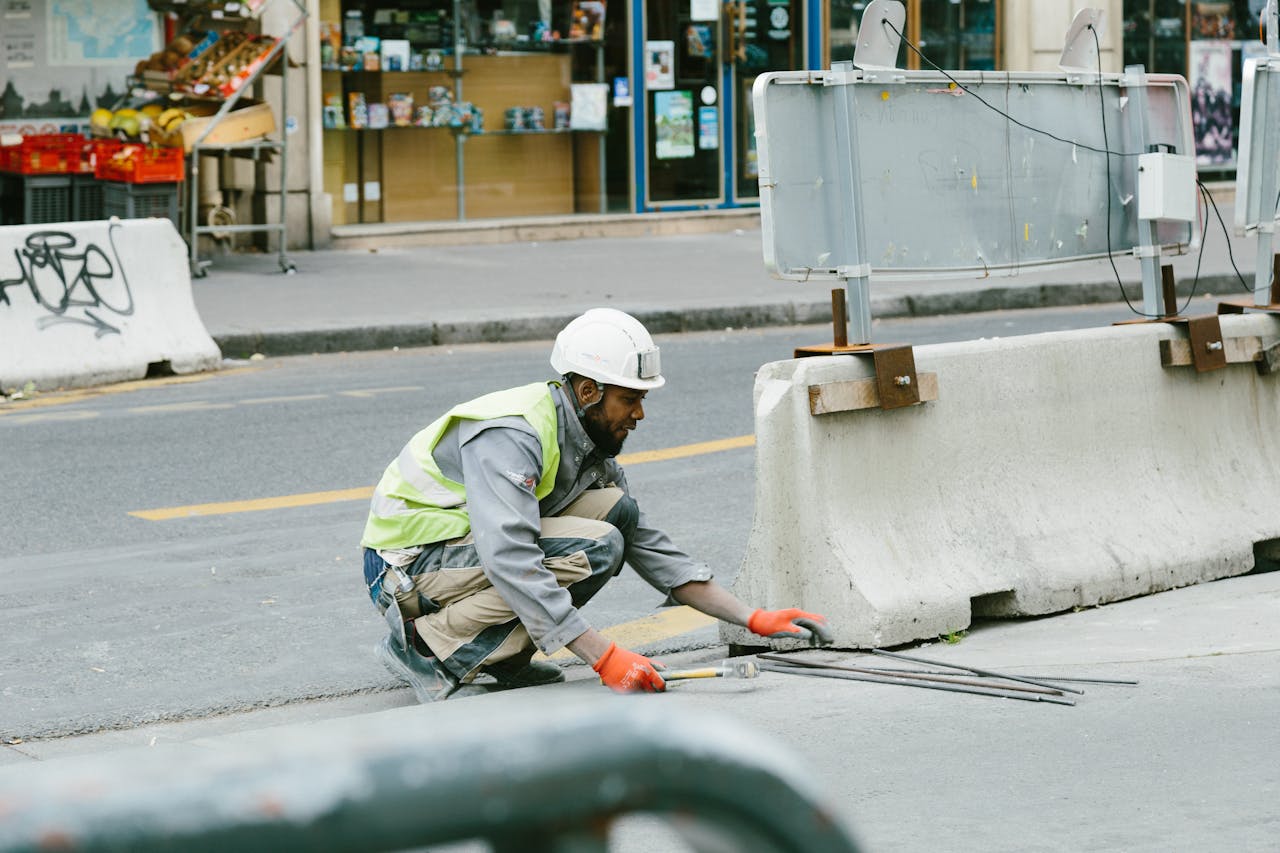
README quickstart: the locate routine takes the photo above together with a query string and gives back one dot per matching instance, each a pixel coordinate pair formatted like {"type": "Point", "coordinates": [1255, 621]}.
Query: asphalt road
{"type": "Point", "coordinates": [110, 620]}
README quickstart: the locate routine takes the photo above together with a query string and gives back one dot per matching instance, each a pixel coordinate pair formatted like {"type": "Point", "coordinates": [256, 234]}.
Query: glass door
{"type": "Point", "coordinates": [763, 35]}
{"type": "Point", "coordinates": [683, 109]}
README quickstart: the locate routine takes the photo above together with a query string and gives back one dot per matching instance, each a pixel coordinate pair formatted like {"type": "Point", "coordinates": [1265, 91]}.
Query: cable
{"type": "Point", "coordinates": [1226, 237]}
{"type": "Point", "coordinates": [996, 109]}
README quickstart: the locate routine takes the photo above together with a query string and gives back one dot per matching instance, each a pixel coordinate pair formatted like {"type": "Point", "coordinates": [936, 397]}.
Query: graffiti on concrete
{"type": "Point", "coordinates": [72, 283]}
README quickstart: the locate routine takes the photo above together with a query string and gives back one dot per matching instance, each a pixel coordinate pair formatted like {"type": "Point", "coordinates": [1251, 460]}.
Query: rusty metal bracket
{"type": "Point", "coordinates": [896, 383]}
{"type": "Point", "coordinates": [896, 378]}
{"type": "Point", "coordinates": [1240, 306]}
{"type": "Point", "coordinates": [1207, 350]}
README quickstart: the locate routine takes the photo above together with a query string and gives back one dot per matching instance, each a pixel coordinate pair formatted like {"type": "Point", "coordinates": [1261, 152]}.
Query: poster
{"type": "Point", "coordinates": [1211, 120]}
{"type": "Point", "coordinates": [59, 59]}
{"type": "Point", "coordinates": [589, 106]}
{"type": "Point", "coordinates": [659, 65]}
{"type": "Point", "coordinates": [708, 128]}
{"type": "Point", "coordinates": [704, 10]}
{"type": "Point", "coordinates": [673, 124]}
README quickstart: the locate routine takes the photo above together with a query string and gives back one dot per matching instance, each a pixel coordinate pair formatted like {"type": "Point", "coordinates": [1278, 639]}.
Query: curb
{"type": "Point", "coordinates": [661, 321]}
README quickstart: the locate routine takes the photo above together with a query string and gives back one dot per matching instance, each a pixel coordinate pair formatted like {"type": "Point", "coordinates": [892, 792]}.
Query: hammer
{"type": "Point", "coordinates": [741, 668]}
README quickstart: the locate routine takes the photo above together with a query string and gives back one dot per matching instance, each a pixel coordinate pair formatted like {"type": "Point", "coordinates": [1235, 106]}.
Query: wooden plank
{"type": "Point", "coordinates": [1177, 352]}
{"type": "Point", "coordinates": [856, 394]}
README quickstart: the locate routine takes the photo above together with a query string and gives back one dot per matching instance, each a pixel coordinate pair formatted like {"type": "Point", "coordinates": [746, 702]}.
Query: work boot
{"type": "Point", "coordinates": [430, 681]}
{"type": "Point", "coordinates": [522, 671]}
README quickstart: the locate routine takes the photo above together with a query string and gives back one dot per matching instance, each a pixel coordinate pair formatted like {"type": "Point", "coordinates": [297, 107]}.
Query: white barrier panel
{"type": "Point", "coordinates": [84, 303]}
{"type": "Point", "coordinates": [1053, 471]}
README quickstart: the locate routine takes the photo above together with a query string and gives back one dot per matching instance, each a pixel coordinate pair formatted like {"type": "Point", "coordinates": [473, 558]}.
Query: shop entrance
{"type": "Point", "coordinates": [764, 35]}
{"type": "Point", "coordinates": [683, 124]}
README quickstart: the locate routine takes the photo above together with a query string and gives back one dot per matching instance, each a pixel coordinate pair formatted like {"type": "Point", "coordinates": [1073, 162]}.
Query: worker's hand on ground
{"type": "Point", "coordinates": [627, 672]}
{"type": "Point", "coordinates": [791, 624]}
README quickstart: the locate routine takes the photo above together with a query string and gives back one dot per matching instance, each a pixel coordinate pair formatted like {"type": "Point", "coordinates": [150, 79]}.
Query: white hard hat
{"type": "Point", "coordinates": [611, 347]}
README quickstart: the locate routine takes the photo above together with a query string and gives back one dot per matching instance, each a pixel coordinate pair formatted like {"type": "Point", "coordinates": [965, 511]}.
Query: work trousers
{"type": "Point", "coordinates": [461, 617]}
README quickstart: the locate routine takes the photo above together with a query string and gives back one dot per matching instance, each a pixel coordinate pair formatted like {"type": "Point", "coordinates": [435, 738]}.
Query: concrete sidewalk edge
{"type": "Point", "coordinates": [278, 342]}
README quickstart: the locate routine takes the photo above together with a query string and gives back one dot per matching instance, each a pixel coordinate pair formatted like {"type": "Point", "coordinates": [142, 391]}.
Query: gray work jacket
{"type": "Point", "coordinates": [497, 460]}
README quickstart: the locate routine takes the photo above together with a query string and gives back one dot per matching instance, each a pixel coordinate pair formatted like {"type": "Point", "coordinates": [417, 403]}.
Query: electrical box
{"type": "Point", "coordinates": [1167, 187]}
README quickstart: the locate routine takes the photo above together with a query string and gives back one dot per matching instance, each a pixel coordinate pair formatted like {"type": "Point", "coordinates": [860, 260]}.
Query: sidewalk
{"type": "Point", "coordinates": [343, 300]}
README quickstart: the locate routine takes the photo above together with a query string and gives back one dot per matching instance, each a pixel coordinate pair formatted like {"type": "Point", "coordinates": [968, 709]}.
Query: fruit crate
{"type": "Point", "coordinates": [43, 154]}
{"type": "Point", "coordinates": [93, 151]}
{"type": "Point", "coordinates": [34, 199]}
{"type": "Point", "coordinates": [129, 200]}
{"type": "Point", "coordinates": [142, 164]}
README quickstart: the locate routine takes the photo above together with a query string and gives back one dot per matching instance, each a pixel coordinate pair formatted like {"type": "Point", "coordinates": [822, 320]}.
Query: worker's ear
{"type": "Point", "coordinates": [587, 390]}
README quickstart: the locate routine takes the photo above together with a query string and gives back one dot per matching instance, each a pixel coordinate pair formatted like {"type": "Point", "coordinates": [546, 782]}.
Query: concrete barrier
{"type": "Point", "coordinates": [84, 303]}
{"type": "Point", "coordinates": [1053, 471]}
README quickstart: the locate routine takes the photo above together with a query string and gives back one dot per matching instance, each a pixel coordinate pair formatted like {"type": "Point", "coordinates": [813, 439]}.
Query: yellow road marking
{"type": "Point", "coordinates": [227, 507]}
{"type": "Point", "coordinates": [69, 415]}
{"type": "Point", "coordinates": [687, 450]}
{"type": "Point", "coordinates": [61, 398]}
{"type": "Point", "coordinates": [295, 398]}
{"type": "Point", "coordinates": [193, 406]}
{"type": "Point", "coordinates": [369, 392]}
{"type": "Point", "coordinates": [671, 622]}
{"type": "Point", "coordinates": [366, 492]}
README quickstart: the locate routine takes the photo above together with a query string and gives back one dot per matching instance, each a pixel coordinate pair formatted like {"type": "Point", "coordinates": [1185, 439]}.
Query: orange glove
{"type": "Point", "coordinates": [627, 672]}
{"type": "Point", "coordinates": [791, 624]}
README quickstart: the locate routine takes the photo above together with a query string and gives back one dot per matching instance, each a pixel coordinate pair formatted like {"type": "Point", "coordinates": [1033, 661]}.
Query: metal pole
{"type": "Point", "coordinates": [1266, 190]}
{"type": "Point", "coordinates": [910, 676]}
{"type": "Point", "coordinates": [601, 135]}
{"type": "Point", "coordinates": [282, 258]}
{"type": "Point", "coordinates": [1148, 248]}
{"type": "Point", "coordinates": [858, 278]}
{"type": "Point", "coordinates": [460, 138]}
{"type": "Point", "coordinates": [974, 670]}
{"type": "Point", "coordinates": [935, 685]}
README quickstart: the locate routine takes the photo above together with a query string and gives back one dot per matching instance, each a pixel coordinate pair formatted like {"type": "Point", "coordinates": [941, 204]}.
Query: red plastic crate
{"type": "Point", "coordinates": [142, 164]}
{"type": "Point", "coordinates": [43, 154]}
{"type": "Point", "coordinates": [95, 150]}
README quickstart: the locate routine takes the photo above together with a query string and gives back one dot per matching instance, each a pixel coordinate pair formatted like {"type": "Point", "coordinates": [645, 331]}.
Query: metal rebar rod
{"type": "Point", "coordinates": [1122, 681]}
{"type": "Point", "coordinates": [911, 676]}
{"type": "Point", "coordinates": [974, 670]}
{"type": "Point", "coordinates": [927, 685]}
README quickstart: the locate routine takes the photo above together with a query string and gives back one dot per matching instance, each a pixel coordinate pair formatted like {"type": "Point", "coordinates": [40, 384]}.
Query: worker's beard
{"type": "Point", "coordinates": [601, 436]}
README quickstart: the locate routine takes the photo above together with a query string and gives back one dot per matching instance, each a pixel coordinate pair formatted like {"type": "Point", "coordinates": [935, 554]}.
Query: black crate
{"type": "Point", "coordinates": [138, 201]}
{"type": "Point", "coordinates": [86, 198]}
{"type": "Point", "coordinates": [35, 199]}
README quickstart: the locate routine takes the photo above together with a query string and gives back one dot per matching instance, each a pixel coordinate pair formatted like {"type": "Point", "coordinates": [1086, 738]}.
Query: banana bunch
{"type": "Point", "coordinates": [171, 119]}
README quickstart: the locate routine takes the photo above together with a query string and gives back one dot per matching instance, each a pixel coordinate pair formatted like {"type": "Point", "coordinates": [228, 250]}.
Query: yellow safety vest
{"type": "Point", "coordinates": [416, 504]}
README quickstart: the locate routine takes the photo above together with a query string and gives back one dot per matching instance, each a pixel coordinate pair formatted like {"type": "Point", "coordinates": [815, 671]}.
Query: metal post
{"type": "Point", "coordinates": [1148, 248]}
{"type": "Point", "coordinates": [1266, 190]}
{"type": "Point", "coordinates": [857, 276]}
{"type": "Point", "coordinates": [282, 257]}
{"type": "Point", "coordinates": [459, 138]}
{"type": "Point", "coordinates": [601, 135]}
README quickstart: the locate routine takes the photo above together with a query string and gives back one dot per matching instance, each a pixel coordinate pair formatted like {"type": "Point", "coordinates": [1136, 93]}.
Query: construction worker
{"type": "Point", "coordinates": [503, 517]}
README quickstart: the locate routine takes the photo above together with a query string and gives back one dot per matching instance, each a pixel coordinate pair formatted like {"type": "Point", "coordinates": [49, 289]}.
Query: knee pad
{"type": "Point", "coordinates": [625, 515]}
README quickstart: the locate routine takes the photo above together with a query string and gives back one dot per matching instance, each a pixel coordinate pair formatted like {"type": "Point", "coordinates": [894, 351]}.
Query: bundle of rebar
{"type": "Point", "coordinates": [954, 678]}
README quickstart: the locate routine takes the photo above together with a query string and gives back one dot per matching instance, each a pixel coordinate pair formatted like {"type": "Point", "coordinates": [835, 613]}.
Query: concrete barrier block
{"type": "Point", "coordinates": [1054, 471]}
{"type": "Point", "coordinates": [85, 303]}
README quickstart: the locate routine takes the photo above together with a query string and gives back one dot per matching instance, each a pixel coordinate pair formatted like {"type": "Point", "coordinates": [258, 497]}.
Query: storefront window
{"type": "Point", "coordinates": [954, 34]}
{"type": "Point", "coordinates": [958, 34]}
{"type": "Point", "coordinates": [516, 123]}
{"type": "Point", "coordinates": [1207, 42]}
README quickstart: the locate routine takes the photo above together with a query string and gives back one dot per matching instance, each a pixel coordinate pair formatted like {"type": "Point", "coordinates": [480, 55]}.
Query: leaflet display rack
{"type": "Point", "coordinates": [262, 149]}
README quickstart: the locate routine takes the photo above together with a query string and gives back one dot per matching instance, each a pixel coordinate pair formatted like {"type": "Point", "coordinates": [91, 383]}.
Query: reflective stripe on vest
{"type": "Point", "coordinates": [416, 504]}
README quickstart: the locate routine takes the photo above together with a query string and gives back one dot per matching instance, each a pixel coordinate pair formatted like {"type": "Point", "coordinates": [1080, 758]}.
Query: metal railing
{"type": "Point", "coordinates": [534, 775]}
